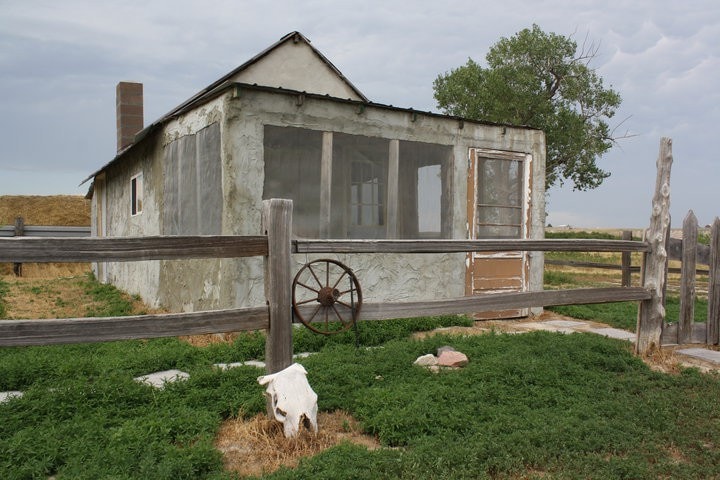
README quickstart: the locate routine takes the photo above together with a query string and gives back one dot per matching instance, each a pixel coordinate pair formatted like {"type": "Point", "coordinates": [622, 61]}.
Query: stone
{"type": "Point", "coordinates": [7, 396]}
{"type": "Point", "coordinates": [452, 359]}
{"type": "Point", "coordinates": [615, 333]}
{"type": "Point", "coordinates": [159, 379]}
{"type": "Point", "coordinates": [702, 354]}
{"type": "Point", "coordinates": [426, 360]}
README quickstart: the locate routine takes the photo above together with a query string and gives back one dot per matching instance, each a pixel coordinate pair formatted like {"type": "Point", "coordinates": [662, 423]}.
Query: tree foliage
{"type": "Point", "coordinates": [540, 80]}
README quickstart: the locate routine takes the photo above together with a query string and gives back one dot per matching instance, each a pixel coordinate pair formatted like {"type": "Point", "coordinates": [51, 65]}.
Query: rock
{"type": "Point", "coordinates": [426, 360]}
{"type": "Point", "coordinates": [7, 396]}
{"type": "Point", "coordinates": [452, 359]}
{"type": "Point", "coordinates": [446, 348]}
{"type": "Point", "coordinates": [159, 379]}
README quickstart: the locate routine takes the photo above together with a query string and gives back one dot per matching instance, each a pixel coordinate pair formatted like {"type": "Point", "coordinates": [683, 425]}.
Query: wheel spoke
{"type": "Point", "coordinates": [306, 301]}
{"type": "Point", "coordinates": [327, 273]}
{"type": "Point", "coordinates": [313, 315]}
{"type": "Point", "coordinates": [341, 277]}
{"type": "Point", "coordinates": [308, 287]}
{"type": "Point", "coordinates": [345, 304]}
{"type": "Point", "coordinates": [351, 289]}
{"type": "Point", "coordinates": [338, 315]}
{"type": "Point", "coordinates": [313, 274]}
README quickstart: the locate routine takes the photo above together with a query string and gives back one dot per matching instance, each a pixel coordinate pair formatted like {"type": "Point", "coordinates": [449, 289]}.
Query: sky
{"type": "Point", "coordinates": [60, 63]}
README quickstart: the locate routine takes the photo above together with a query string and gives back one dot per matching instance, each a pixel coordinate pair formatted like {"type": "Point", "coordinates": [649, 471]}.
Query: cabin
{"type": "Point", "coordinates": [288, 124]}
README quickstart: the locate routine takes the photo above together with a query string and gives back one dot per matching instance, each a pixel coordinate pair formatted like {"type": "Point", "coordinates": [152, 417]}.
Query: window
{"type": "Point", "coordinates": [367, 194]}
{"type": "Point", "coordinates": [500, 193]}
{"type": "Point", "coordinates": [292, 170]}
{"type": "Point", "coordinates": [136, 194]}
{"type": "Point", "coordinates": [359, 181]}
{"type": "Point", "coordinates": [342, 186]}
{"type": "Point", "coordinates": [424, 204]}
{"type": "Point", "coordinates": [192, 202]}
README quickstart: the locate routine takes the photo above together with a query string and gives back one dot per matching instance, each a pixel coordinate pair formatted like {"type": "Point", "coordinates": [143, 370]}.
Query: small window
{"type": "Point", "coordinates": [136, 194]}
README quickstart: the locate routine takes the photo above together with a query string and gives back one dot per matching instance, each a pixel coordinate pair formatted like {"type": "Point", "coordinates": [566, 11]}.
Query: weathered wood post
{"type": "Point", "coordinates": [277, 225]}
{"type": "Point", "coordinates": [687, 278]}
{"type": "Point", "coordinates": [626, 261]}
{"type": "Point", "coordinates": [713, 328]}
{"type": "Point", "coordinates": [651, 314]}
{"type": "Point", "coordinates": [19, 232]}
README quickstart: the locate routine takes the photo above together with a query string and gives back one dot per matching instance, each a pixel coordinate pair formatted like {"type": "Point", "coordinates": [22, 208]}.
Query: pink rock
{"type": "Point", "coordinates": [452, 359]}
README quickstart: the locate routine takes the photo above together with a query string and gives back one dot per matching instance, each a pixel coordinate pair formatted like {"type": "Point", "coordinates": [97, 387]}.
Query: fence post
{"type": "Point", "coordinates": [626, 261]}
{"type": "Point", "coordinates": [19, 232]}
{"type": "Point", "coordinates": [651, 314]}
{"type": "Point", "coordinates": [277, 225]}
{"type": "Point", "coordinates": [713, 325]}
{"type": "Point", "coordinates": [687, 278]}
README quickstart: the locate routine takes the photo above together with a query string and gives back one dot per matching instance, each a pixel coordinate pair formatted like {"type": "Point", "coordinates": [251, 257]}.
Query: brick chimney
{"type": "Point", "coordinates": [129, 112]}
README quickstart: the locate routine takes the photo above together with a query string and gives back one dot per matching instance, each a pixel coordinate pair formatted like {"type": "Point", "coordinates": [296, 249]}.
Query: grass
{"type": "Point", "coordinates": [537, 405]}
{"type": "Point", "coordinates": [561, 406]}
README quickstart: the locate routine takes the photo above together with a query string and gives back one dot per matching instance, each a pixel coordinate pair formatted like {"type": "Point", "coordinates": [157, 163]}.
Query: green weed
{"type": "Point", "coordinates": [110, 301]}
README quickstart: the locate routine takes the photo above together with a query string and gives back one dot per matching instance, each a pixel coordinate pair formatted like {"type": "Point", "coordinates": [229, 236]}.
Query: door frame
{"type": "Point", "coordinates": [471, 281]}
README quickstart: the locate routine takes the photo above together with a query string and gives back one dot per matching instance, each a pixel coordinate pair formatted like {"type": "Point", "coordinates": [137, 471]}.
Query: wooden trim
{"type": "Point", "coordinates": [127, 249]}
{"type": "Point", "coordinates": [450, 246]}
{"type": "Point", "coordinates": [393, 186]}
{"type": "Point", "coordinates": [14, 333]}
{"type": "Point", "coordinates": [496, 301]}
{"type": "Point", "coordinates": [326, 184]}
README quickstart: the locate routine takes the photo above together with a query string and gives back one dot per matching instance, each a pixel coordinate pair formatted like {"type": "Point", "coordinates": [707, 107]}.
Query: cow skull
{"type": "Point", "coordinates": [291, 398]}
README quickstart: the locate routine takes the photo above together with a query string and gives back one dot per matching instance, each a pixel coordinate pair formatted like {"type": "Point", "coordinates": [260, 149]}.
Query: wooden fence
{"type": "Point", "coordinates": [19, 229]}
{"type": "Point", "coordinates": [277, 247]}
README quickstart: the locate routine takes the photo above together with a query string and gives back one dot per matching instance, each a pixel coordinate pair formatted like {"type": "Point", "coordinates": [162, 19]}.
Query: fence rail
{"type": "Point", "coordinates": [276, 246]}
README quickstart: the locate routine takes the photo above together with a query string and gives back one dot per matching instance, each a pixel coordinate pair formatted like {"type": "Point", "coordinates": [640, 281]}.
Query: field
{"type": "Point", "coordinates": [534, 406]}
{"type": "Point", "coordinates": [64, 210]}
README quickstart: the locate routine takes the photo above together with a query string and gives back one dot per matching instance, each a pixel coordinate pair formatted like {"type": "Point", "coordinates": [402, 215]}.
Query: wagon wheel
{"type": "Point", "coordinates": [326, 296]}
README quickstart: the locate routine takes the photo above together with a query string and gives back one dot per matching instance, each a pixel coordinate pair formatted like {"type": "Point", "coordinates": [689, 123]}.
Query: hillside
{"type": "Point", "coordinates": [67, 210]}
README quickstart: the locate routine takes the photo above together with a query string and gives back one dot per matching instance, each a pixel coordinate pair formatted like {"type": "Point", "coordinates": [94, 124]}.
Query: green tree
{"type": "Point", "coordinates": [540, 80]}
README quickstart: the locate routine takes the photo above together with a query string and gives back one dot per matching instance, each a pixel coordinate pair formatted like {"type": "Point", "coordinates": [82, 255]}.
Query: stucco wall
{"type": "Point", "coordinates": [242, 113]}
{"type": "Point", "coordinates": [134, 277]}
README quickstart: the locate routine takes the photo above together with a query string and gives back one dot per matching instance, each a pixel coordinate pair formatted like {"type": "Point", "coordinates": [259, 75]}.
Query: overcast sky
{"type": "Point", "coordinates": [60, 62]}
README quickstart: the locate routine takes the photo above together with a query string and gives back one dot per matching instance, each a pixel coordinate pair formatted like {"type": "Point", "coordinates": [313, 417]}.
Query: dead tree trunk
{"type": "Point", "coordinates": [651, 314]}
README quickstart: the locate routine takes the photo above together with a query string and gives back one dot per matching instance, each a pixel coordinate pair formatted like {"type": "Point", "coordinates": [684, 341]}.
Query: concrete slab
{"type": "Point", "coordinates": [159, 379]}
{"type": "Point", "coordinates": [7, 396]}
{"type": "Point", "coordinates": [614, 333]}
{"type": "Point", "coordinates": [545, 326]}
{"type": "Point", "coordinates": [249, 363]}
{"type": "Point", "coordinates": [702, 354]}
{"type": "Point", "coordinates": [566, 324]}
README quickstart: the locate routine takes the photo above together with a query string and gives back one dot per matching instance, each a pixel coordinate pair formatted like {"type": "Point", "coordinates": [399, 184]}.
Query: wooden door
{"type": "Point", "coordinates": [498, 207]}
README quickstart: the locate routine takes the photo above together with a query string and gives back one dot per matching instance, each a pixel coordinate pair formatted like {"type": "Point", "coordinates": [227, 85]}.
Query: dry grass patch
{"type": "Point", "coordinates": [209, 339]}
{"type": "Point", "coordinates": [257, 446]}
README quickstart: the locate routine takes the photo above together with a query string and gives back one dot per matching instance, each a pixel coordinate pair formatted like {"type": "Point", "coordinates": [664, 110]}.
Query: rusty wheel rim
{"type": "Point", "coordinates": [326, 296]}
